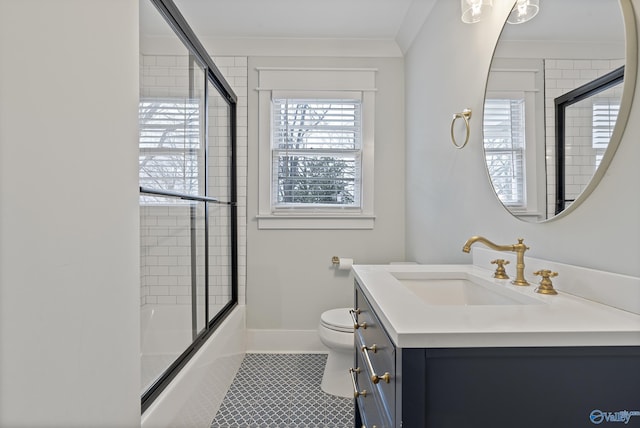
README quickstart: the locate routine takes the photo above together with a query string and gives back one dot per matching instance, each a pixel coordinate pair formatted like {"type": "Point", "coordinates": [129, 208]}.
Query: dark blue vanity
{"type": "Point", "coordinates": [573, 386]}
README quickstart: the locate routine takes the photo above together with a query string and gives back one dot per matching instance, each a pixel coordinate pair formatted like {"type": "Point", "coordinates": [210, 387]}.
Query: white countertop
{"type": "Point", "coordinates": [560, 320]}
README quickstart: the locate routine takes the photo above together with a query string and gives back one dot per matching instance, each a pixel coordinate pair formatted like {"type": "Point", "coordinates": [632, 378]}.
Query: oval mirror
{"type": "Point", "coordinates": [557, 100]}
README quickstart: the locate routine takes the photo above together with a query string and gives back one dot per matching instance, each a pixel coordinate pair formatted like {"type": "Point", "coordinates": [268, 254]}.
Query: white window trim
{"type": "Point", "coordinates": [314, 82]}
{"type": "Point", "coordinates": [530, 179]}
{"type": "Point", "coordinates": [505, 80]}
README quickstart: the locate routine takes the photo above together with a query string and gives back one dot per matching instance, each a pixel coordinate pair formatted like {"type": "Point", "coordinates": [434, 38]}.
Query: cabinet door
{"type": "Point", "coordinates": [533, 387]}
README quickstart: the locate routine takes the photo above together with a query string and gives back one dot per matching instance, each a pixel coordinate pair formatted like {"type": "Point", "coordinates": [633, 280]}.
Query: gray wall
{"type": "Point", "coordinates": [449, 196]}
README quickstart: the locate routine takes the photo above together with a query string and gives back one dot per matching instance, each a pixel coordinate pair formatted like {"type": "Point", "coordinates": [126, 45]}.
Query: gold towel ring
{"type": "Point", "coordinates": [465, 115]}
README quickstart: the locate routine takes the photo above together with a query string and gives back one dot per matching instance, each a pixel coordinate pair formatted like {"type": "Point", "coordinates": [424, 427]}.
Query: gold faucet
{"type": "Point", "coordinates": [518, 248]}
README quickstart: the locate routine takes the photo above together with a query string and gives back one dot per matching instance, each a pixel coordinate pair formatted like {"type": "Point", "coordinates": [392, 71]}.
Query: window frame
{"type": "Point", "coordinates": [523, 76]}
{"type": "Point", "coordinates": [532, 182]}
{"type": "Point", "coordinates": [354, 153]}
{"type": "Point", "coordinates": [516, 150]}
{"type": "Point", "coordinates": [315, 83]}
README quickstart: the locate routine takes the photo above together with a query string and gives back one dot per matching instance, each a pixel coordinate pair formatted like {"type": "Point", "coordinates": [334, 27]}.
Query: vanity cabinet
{"type": "Point", "coordinates": [490, 387]}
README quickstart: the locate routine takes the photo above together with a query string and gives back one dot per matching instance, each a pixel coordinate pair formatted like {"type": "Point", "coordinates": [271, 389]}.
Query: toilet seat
{"type": "Point", "coordinates": [337, 320]}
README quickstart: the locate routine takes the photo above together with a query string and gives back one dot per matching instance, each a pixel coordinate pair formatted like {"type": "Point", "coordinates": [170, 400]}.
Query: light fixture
{"type": "Point", "coordinates": [472, 10]}
{"type": "Point", "coordinates": [523, 11]}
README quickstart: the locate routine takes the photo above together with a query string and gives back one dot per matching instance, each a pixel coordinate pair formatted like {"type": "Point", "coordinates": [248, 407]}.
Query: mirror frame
{"type": "Point", "coordinates": [631, 66]}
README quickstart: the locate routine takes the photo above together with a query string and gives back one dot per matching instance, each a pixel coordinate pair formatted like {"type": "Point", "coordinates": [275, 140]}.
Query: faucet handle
{"type": "Point", "coordinates": [546, 286]}
{"type": "Point", "coordinates": [521, 242]}
{"type": "Point", "coordinates": [500, 272]}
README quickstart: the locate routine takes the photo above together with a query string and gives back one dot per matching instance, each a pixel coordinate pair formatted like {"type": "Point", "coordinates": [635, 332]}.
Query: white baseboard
{"type": "Point", "coordinates": [284, 341]}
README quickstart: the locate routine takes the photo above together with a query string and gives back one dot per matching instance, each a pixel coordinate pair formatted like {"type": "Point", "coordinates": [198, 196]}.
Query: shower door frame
{"type": "Point", "coordinates": [176, 21]}
{"type": "Point", "coordinates": [609, 80]}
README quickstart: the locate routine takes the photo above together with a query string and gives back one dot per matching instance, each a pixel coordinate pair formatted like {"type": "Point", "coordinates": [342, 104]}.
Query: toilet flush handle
{"type": "Point", "coordinates": [353, 313]}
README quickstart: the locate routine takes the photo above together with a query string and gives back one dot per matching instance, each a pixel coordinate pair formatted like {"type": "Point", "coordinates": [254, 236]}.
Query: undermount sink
{"type": "Point", "coordinates": [459, 289]}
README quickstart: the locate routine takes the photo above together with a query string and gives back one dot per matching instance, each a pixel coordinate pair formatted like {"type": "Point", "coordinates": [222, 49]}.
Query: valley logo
{"type": "Point", "coordinates": [623, 416]}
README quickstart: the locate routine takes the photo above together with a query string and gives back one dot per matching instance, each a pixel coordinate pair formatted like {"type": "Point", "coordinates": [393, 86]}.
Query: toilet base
{"type": "Point", "coordinates": [336, 380]}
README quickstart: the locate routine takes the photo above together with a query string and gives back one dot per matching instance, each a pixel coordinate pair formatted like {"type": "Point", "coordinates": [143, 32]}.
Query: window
{"type": "Point", "coordinates": [316, 153]}
{"type": "Point", "coordinates": [504, 143]}
{"type": "Point", "coordinates": [605, 115]}
{"type": "Point", "coordinates": [316, 148]}
{"type": "Point", "coordinates": [169, 146]}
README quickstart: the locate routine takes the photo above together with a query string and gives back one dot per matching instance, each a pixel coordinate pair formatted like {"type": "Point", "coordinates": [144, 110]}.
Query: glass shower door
{"type": "Point", "coordinates": [187, 196]}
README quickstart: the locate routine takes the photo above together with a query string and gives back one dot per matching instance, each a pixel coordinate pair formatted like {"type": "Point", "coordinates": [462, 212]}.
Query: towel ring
{"type": "Point", "coordinates": [465, 115]}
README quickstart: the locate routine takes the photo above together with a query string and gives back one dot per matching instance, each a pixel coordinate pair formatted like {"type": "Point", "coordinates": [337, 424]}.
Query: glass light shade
{"type": "Point", "coordinates": [523, 11]}
{"type": "Point", "coordinates": [472, 10]}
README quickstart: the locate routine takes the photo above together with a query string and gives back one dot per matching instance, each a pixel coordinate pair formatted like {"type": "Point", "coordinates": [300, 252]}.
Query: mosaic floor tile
{"type": "Point", "coordinates": [282, 391]}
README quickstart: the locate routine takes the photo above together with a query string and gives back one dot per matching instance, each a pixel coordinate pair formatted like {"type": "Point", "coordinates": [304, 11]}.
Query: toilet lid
{"type": "Point", "coordinates": [337, 319]}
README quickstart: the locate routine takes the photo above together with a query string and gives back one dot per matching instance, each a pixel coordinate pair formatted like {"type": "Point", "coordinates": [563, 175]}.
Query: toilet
{"type": "Point", "coordinates": [336, 332]}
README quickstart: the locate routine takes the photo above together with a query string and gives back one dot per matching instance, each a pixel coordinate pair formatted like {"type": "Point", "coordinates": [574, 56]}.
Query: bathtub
{"type": "Point", "coordinates": [194, 395]}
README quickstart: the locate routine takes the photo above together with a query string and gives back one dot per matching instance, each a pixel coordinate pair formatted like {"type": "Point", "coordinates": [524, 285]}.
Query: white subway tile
{"type": "Point", "coordinates": [167, 300]}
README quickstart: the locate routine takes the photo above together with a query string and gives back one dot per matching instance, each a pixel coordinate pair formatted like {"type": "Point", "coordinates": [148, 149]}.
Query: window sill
{"type": "Point", "coordinates": [311, 221]}
{"type": "Point", "coordinates": [526, 214]}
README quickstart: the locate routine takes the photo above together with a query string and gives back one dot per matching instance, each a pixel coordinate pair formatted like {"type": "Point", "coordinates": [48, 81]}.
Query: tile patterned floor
{"type": "Point", "coordinates": [282, 391]}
